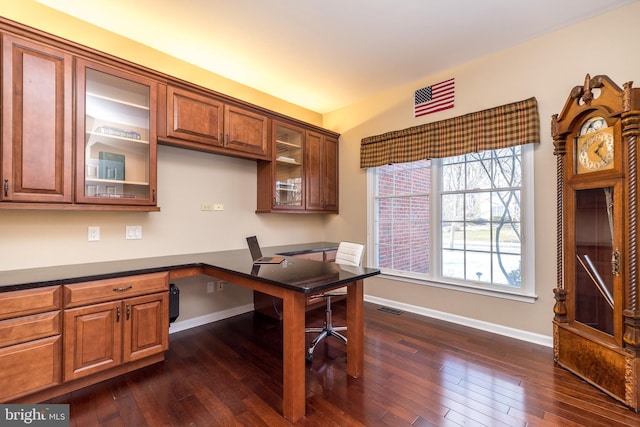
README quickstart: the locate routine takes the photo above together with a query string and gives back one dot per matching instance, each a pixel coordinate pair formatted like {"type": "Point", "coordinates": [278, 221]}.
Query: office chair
{"type": "Point", "coordinates": [348, 254]}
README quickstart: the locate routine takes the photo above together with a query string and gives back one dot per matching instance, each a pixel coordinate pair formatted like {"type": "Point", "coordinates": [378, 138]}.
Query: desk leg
{"type": "Point", "coordinates": [293, 378]}
{"type": "Point", "coordinates": [355, 329]}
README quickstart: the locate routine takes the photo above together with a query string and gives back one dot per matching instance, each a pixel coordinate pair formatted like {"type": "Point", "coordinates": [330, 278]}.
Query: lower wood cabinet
{"type": "Point", "coordinates": [57, 339]}
{"type": "Point", "coordinates": [103, 335]}
{"type": "Point", "coordinates": [30, 341]}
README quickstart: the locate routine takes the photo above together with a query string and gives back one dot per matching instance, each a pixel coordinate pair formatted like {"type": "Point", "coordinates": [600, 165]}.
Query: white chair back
{"type": "Point", "coordinates": [349, 253]}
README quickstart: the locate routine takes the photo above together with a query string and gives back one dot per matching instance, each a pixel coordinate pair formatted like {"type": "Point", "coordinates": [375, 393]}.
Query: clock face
{"type": "Point", "coordinates": [595, 150]}
{"type": "Point", "coordinates": [592, 124]}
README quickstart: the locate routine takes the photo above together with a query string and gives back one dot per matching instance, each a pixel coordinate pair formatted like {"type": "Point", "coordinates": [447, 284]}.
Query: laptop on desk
{"type": "Point", "coordinates": [256, 253]}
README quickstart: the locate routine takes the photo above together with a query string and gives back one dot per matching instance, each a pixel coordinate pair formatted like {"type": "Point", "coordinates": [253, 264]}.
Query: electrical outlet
{"type": "Point", "coordinates": [218, 207]}
{"type": "Point", "coordinates": [94, 234]}
{"type": "Point", "coordinates": [211, 287]}
{"type": "Point", "coordinates": [220, 285]}
{"type": "Point", "coordinates": [206, 207]}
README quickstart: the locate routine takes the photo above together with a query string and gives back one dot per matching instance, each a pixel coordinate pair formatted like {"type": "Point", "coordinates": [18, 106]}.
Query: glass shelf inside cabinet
{"type": "Point", "coordinates": [117, 149]}
{"type": "Point", "coordinates": [288, 165]}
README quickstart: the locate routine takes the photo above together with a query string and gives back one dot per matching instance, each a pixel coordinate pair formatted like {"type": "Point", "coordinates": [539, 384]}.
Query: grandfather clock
{"type": "Point", "coordinates": [596, 325]}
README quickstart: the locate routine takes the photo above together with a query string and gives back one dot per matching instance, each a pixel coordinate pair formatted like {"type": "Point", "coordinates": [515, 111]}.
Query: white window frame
{"type": "Point", "coordinates": [527, 291]}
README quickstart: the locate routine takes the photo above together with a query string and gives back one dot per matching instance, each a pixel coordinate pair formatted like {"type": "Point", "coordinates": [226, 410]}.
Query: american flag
{"type": "Point", "coordinates": [434, 98]}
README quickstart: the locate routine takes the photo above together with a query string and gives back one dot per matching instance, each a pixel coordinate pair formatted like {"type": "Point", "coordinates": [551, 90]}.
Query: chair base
{"type": "Point", "coordinates": [328, 330]}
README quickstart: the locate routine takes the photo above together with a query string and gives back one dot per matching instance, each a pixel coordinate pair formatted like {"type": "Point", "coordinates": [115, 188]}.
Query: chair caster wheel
{"type": "Point", "coordinates": [309, 358]}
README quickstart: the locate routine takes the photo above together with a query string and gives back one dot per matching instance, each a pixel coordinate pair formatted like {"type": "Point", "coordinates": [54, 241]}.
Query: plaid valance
{"type": "Point", "coordinates": [494, 128]}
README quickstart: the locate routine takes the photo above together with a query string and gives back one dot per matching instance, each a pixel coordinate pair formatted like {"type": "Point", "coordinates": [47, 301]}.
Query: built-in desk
{"type": "Point", "coordinates": [291, 281]}
{"type": "Point", "coordinates": [317, 251]}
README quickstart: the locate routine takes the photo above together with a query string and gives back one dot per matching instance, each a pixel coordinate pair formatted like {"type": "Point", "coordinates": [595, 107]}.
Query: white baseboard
{"type": "Point", "coordinates": [209, 318]}
{"type": "Point", "coordinates": [466, 321]}
{"type": "Point", "coordinates": [460, 320]}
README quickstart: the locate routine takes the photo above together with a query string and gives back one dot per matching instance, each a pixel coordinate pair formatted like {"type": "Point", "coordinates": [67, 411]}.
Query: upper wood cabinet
{"type": "Point", "coordinates": [37, 103]}
{"type": "Point", "coordinates": [303, 173]}
{"type": "Point", "coordinates": [246, 132]}
{"type": "Point", "coordinates": [192, 117]}
{"type": "Point", "coordinates": [116, 136]}
{"type": "Point", "coordinates": [80, 130]}
{"type": "Point", "coordinates": [321, 152]}
{"type": "Point", "coordinates": [200, 121]}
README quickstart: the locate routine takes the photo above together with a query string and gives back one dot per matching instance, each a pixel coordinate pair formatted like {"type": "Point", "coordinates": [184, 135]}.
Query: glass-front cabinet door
{"type": "Point", "coordinates": [116, 151]}
{"type": "Point", "coordinates": [288, 167]}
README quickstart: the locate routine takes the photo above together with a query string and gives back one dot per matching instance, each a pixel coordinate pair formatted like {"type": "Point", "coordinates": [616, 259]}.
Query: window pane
{"type": "Point", "coordinates": [452, 235]}
{"type": "Point", "coordinates": [506, 206]}
{"type": "Point", "coordinates": [478, 175]}
{"type": "Point", "coordinates": [421, 179]}
{"type": "Point", "coordinates": [506, 270]}
{"type": "Point", "coordinates": [453, 177]}
{"type": "Point", "coordinates": [402, 216]}
{"type": "Point", "coordinates": [478, 207]}
{"type": "Point", "coordinates": [478, 266]}
{"type": "Point", "coordinates": [507, 172]}
{"type": "Point", "coordinates": [453, 264]}
{"type": "Point", "coordinates": [452, 207]}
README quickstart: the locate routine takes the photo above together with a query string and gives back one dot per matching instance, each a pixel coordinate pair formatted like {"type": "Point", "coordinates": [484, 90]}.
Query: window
{"type": "Point", "coordinates": [458, 221]}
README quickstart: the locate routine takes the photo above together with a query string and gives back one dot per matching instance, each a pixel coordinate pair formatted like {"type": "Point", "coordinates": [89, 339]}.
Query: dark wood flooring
{"type": "Point", "coordinates": [418, 371]}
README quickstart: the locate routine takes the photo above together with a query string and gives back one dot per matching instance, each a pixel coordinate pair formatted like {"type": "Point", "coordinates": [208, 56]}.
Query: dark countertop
{"type": "Point", "coordinates": [301, 275]}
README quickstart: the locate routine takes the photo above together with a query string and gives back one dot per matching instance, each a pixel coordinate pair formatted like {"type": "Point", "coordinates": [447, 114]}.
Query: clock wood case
{"type": "Point", "coordinates": [596, 323]}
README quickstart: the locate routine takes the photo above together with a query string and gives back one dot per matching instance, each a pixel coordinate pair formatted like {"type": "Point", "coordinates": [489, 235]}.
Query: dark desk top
{"type": "Point", "coordinates": [301, 275]}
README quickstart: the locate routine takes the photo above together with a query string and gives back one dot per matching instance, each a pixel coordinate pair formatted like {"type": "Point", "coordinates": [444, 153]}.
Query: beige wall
{"type": "Point", "coordinates": [547, 68]}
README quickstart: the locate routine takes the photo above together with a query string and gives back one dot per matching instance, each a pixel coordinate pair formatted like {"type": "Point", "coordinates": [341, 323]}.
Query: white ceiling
{"type": "Point", "coordinates": [327, 54]}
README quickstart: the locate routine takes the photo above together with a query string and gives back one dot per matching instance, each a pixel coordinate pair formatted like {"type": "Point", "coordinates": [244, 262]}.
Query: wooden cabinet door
{"type": "Point", "coordinates": [29, 367]}
{"type": "Point", "coordinates": [194, 117]}
{"type": "Point", "coordinates": [92, 339]}
{"type": "Point", "coordinates": [330, 173]}
{"type": "Point", "coordinates": [321, 171]}
{"type": "Point", "coordinates": [246, 131]}
{"type": "Point", "coordinates": [36, 122]}
{"type": "Point", "coordinates": [146, 327]}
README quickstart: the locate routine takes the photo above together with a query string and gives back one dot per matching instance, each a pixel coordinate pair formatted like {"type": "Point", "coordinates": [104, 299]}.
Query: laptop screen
{"type": "Point", "coordinates": [254, 247]}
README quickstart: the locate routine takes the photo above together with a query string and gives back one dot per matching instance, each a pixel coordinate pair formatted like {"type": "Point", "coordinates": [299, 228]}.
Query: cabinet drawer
{"type": "Point", "coordinates": [113, 289]}
{"type": "Point", "coordinates": [29, 301]}
{"type": "Point", "coordinates": [42, 357]}
{"type": "Point", "coordinates": [28, 328]}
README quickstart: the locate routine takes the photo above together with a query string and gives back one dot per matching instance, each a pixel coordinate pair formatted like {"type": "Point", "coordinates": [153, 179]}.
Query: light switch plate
{"type": "Point", "coordinates": [134, 232]}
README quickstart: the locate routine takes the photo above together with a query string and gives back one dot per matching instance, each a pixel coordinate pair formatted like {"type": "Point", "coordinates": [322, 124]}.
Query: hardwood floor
{"type": "Point", "coordinates": [418, 371]}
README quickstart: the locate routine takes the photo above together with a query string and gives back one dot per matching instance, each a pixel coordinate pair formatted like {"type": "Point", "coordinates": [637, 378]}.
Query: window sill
{"type": "Point", "coordinates": [513, 295]}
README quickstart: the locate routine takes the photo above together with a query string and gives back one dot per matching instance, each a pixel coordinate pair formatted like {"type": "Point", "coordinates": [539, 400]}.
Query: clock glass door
{"type": "Point", "coordinates": [594, 252]}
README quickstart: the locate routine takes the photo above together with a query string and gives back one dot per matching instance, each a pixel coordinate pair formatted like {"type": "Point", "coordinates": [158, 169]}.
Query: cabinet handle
{"type": "Point", "coordinates": [122, 289]}
{"type": "Point", "coordinates": [117, 314]}
{"type": "Point", "coordinates": [153, 195]}
{"type": "Point", "coordinates": [128, 311]}
{"type": "Point", "coordinates": [6, 188]}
